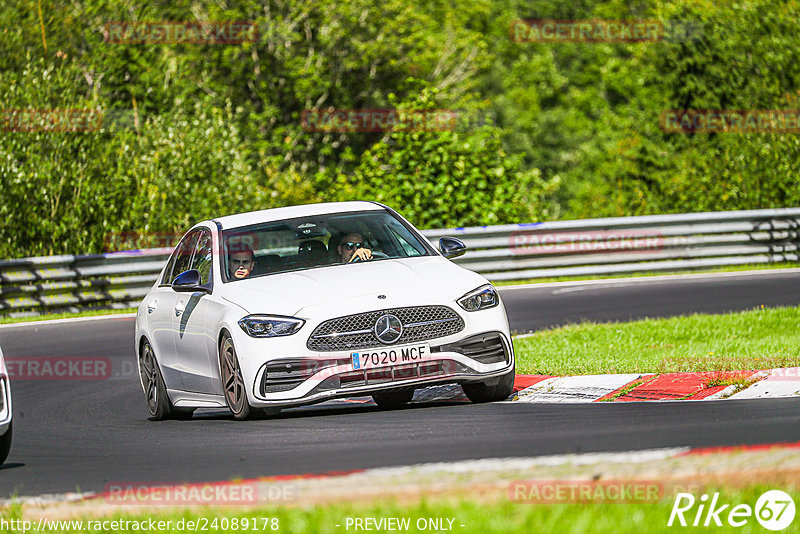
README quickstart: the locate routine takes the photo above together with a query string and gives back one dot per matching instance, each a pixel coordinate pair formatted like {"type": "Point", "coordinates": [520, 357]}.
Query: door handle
{"type": "Point", "coordinates": [151, 306]}
{"type": "Point", "coordinates": [179, 309]}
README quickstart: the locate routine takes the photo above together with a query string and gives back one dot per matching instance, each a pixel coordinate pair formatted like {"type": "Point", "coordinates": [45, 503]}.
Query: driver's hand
{"type": "Point", "coordinates": [362, 254]}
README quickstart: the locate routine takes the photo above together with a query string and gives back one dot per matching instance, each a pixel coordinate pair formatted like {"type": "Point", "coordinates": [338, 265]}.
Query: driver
{"type": "Point", "coordinates": [351, 247]}
{"type": "Point", "coordinates": [241, 262]}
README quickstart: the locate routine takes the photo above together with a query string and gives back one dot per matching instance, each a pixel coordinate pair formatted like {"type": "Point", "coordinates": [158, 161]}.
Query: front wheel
{"type": "Point", "coordinates": [479, 392]}
{"type": "Point", "coordinates": [232, 381]}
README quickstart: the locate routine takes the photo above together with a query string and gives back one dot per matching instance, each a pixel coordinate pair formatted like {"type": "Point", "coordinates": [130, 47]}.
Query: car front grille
{"type": "Point", "coordinates": [483, 348]}
{"type": "Point", "coordinates": [355, 332]}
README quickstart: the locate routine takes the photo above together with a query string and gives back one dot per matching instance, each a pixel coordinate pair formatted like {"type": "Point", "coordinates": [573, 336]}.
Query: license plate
{"type": "Point", "coordinates": [386, 357]}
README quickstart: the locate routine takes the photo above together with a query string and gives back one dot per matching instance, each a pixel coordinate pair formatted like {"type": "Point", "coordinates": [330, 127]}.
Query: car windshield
{"type": "Point", "coordinates": [317, 241]}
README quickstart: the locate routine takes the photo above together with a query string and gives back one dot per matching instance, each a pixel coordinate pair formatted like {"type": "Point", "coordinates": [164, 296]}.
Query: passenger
{"type": "Point", "coordinates": [241, 262]}
{"type": "Point", "coordinates": [352, 246]}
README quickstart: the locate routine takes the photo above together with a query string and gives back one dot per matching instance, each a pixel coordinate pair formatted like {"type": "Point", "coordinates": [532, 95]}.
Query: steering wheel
{"type": "Point", "coordinates": [375, 254]}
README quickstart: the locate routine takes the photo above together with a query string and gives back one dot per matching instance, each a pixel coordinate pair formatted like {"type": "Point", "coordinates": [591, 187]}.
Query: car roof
{"type": "Point", "coordinates": [290, 212]}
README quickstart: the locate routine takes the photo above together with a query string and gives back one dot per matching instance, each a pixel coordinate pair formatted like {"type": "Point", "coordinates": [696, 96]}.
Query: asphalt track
{"type": "Point", "coordinates": [84, 435]}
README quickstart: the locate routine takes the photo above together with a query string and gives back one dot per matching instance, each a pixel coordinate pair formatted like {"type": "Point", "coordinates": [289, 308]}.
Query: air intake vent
{"type": "Point", "coordinates": [283, 375]}
{"type": "Point", "coordinates": [483, 348]}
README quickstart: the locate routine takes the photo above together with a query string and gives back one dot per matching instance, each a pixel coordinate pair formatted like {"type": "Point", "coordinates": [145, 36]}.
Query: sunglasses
{"type": "Point", "coordinates": [351, 246]}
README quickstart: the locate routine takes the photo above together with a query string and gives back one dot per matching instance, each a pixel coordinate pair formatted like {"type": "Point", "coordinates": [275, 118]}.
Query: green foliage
{"type": "Point", "coordinates": [450, 178]}
{"type": "Point", "coordinates": [547, 130]}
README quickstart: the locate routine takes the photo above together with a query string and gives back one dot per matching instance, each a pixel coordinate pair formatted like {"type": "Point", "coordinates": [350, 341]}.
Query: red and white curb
{"type": "Point", "coordinates": [582, 388]}
{"type": "Point", "coordinates": [710, 385]}
{"type": "Point", "coordinates": [630, 387]}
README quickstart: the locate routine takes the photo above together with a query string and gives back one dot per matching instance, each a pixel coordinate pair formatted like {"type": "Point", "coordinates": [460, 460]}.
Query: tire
{"type": "Point", "coordinates": [479, 392]}
{"type": "Point", "coordinates": [232, 382]}
{"type": "Point", "coordinates": [393, 399]}
{"type": "Point", "coordinates": [5, 443]}
{"type": "Point", "coordinates": [153, 383]}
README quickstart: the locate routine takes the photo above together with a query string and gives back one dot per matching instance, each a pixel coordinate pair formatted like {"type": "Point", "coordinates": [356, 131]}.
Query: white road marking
{"type": "Point", "coordinates": [581, 388]}
{"type": "Point", "coordinates": [778, 383]}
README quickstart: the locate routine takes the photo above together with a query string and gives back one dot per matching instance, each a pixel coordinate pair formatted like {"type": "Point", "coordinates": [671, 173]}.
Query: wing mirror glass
{"type": "Point", "coordinates": [450, 247]}
{"type": "Point", "coordinates": [188, 281]}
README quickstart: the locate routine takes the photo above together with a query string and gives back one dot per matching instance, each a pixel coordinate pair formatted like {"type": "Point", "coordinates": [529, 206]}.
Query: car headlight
{"type": "Point", "coordinates": [270, 325]}
{"type": "Point", "coordinates": [480, 299]}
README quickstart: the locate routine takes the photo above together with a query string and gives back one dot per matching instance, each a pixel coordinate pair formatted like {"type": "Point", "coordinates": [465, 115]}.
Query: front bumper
{"type": "Point", "coordinates": [283, 382]}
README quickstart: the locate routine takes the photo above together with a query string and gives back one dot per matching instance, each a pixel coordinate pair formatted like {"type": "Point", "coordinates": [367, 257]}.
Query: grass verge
{"type": "Point", "coordinates": [464, 514]}
{"type": "Point", "coordinates": [764, 338]}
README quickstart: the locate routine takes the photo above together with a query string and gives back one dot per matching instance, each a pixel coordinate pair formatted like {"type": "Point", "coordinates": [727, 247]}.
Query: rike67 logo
{"type": "Point", "coordinates": [774, 510]}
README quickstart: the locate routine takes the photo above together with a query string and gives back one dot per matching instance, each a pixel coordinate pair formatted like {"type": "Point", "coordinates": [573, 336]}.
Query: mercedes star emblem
{"type": "Point", "coordinates": [388, 328]}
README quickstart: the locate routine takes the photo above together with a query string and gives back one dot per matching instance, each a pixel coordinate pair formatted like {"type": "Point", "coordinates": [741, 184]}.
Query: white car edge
{"type": "Point", "coordinates": [204, 344]}
{"type": "Point", "coordinates": [6, 430]}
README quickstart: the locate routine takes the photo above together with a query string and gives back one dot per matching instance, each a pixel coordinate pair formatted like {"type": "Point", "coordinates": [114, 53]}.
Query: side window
{"type": "Point", "coordinates": [407, 247]}
{"type": "Point", "coordinates": [202, 257]}
{"type": "Point", "coordinates": [165, 280]}
{"type": "Point", "coordinates": [181, 257]}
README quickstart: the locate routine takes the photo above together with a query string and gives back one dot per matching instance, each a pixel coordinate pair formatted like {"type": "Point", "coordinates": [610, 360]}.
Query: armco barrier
{"type": "Point", "coordinates": [507, 252]}
{"type": "Point", "coordinates": [30, 286]}
{"type": "Point", "coordinates": [629, 244]}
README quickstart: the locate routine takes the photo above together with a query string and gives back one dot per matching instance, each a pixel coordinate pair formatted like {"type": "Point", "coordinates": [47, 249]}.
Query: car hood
{"type": "Point", "coordinates": [344, 289]}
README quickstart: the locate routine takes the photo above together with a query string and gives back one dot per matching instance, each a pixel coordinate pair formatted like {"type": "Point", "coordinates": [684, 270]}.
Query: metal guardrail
{"type": "Point", "coordinates": [30, 286]}
{"type": "Point", "coordinates": [630, 244]}
{"type": "Point", "coordinates": [606, 246]}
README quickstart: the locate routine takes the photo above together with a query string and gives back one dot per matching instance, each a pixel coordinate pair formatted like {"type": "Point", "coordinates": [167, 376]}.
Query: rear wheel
{"type": "Point", "coordinates": [232, 381]}
{"type": "Point", "coordinates": [154, 389]}
{"type": "Point", "coordinates": [5, 443]}
{"type": "Point", "coordinates": [393, 399]}
{"type": "Point", "coordinates": [480, 392]}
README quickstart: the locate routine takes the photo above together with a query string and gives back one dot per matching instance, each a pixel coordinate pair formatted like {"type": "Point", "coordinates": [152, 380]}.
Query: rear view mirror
{"type": "Point", "coordinates": [188, 281]}
{"type": "Point", "coordinates": [450, 247]}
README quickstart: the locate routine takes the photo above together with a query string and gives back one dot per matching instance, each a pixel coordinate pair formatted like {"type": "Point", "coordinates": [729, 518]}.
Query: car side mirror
{"type": "Point", "coordinates": [188, 282]}
{"type": "Point", "coordinates": [450, 247]}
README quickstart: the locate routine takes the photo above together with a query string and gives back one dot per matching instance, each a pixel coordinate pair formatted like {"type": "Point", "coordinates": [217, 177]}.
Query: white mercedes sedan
{"type": "Point", "coordinates": [290, 306]}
